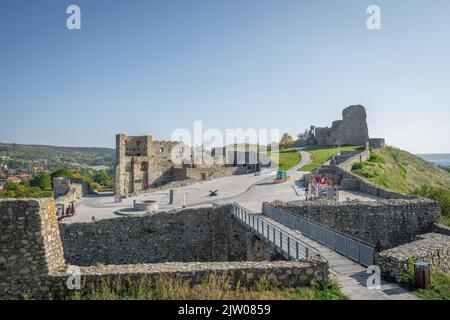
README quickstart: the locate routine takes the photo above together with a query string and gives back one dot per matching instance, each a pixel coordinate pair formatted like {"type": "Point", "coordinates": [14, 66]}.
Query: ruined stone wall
{"type": "Point", "coordinates": [432, 248]}
{"type": "Point", "coordinates": [204, 172]}
{"type": "Point", "coordinates": [163, 149]}
{"type": "Point", "coordinates": [277, 273]}
{"type": "Point", "coordinates": [360, 156]}
{"type": "Point", "coordinates": [30, 247]}
{"type": "Point", "coordinates": [66, 191]}
{"type": "Point", "coordinates": [351, 130]}
{"type": "Point", "coordinates": [61, 186]}
{"type": "Point", "coordinates": [377, 143]}
{"type": "Point", "coordinates": [384, 224]}
{"type": "Point", "coordinates": [32, 263]}
{"type": "Point", "coordinates": [204, 234]}
{"type": "Point", "coordinates": [134, 161]}
{"type": "Point", "coordinates": [351, 182]}
{"type": "Point", "coordinates": [440, 228]}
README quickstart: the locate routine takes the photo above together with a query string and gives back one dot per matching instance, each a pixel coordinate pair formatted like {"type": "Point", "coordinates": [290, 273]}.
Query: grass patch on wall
{"type": "Point", "coordinates": [320, 155]}
{"type": "Point", "coordinates": [439, 289]}
{"type": "Point", "coordinates": [212, 288]}
{"type": "Point", "coordinates": [286, 158]}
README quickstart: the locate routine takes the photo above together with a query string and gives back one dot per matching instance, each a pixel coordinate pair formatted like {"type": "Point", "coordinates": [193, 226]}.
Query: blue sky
{"type": "Point", "coordinates": [150, 67]}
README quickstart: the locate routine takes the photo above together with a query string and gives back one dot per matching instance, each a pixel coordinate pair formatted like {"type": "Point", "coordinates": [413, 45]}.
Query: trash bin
{"type": "Point", "coordinates": [281, 174]}
{"type": "Point", "coordinates": [422, 277]}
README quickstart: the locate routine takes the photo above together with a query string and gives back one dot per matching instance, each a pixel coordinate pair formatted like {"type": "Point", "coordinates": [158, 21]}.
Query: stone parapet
{"type": "Point", "coordinates": [277, 273]}
{"type": "Point", "coordinates": [432, 248]}
{"type": "Point", "coordinates": [383, 224]}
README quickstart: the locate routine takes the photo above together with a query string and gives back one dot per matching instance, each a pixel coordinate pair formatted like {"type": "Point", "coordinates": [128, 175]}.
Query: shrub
{"type": "Point", "coordinates": [441, 195]}
{"type": "Point", "coordinates": [95, 186]}
{"type": "Point", "coordinates": [42, 181]}
{"type": "Point", "coordinates": [376, 158]}
{"type": "Point", "coordinates": [358, 166]}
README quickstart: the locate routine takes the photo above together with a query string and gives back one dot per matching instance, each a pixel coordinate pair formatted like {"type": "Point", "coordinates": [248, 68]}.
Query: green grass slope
{"type": "Point", "coordinates": [401, 171]}
{"type": "Point", "coordinates": [404, 172]}
{"type": "Point", "coordinates": [320, 155]}
{"type": "Point", "coordinates": [286, 158]}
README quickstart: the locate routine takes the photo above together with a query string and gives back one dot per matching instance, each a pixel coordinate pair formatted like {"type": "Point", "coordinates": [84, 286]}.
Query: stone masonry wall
{"type": "Point", "coordinates": [384, 224]}
{"type": "Point", "coordinates": [209, 172]}
{"type": "Point", "coordinates": [440, 228]}
{"type": "Point", "coordinates": [32, 262]}
{"type": "Point", "coordinates": [432, 248]}
{"type": "Point", "coordinates": [352, 182]}
{"type": "Point", "coordinates": [30, 246]}
{"type": "Point", "coordinates": [204, 234]}
{"type": "Point", "coordinates": [360, 156]}
{"type": "Point", "coordinates": [61, 186]}
{"type": "Point", "coordinates": [277, 273]}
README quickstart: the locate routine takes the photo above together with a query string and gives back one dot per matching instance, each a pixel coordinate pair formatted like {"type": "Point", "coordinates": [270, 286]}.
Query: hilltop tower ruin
{"type": "Point", "coordinates": [351, 130]}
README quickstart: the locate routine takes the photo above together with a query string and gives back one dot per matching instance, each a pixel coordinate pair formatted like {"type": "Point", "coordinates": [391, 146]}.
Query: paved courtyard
{"type": "Point", "coordinates": [248, 190]}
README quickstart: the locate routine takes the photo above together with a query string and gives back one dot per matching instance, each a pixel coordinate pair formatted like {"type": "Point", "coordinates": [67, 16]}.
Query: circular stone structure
{"type": "Point", "coordinates": [149, 206]}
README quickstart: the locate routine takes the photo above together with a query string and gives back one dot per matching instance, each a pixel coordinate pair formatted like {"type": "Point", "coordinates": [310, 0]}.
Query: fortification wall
{"type": "Point", "coordinates": [439, 228]}
{"type": "Point", "coordinates": [32, 262]}
{"type": "Point", "coordinates": [277, 273]}
{"type": "Point", "coordinates": [30, 247]}
{"type": "Point", "coordinates": [352, 182]}
{"type": "Point", "coordinates": [205, 234]}
{"type": "Point", "coordinates": [377, 143]}
{"type": "Point", "coordinates": [204, 172]}
{"type": "Point", "coordinates": [384, 224]}
{"type": "Point", "coordinates": [351, 130]}
{"type": "Point", "coordinates": [347, 165]}
{"type": "Point", "coordinates": [432, 248]}
{"type": "Point", "coordinates": [61, 186]}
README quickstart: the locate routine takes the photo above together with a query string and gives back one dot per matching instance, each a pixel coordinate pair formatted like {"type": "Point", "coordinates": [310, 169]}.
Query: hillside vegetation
{"type": "Point", "coordinates": [404, 172]}
{"type": "Point", "coordinates": [54, 158]}
{"type": "Point", "coordinates": [286, 158]}
{"type": "Point", "coordinates": [401, 171]}
{"type": "Point", "coordinates": [320, 155]}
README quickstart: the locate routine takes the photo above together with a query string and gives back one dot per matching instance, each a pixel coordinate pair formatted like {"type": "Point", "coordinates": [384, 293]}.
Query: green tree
{"type": "Point", "coordinates": [286, 140]}
{"type": "Point", "coordinates": [61, 173]}
{"type": "Point", "coordinates": [102, 178]}
{"type": "Point", "coordinates": [42, 180]}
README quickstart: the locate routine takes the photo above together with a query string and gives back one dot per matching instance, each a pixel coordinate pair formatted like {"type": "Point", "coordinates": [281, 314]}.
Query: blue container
{"type": "Point", "coordinates": [281, 174]}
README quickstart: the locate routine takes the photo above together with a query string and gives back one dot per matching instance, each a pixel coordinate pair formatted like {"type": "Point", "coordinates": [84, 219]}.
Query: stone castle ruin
{"type": "Point", "coordinates": [39, 257]}
{"type": "Point", "coordinates": [143, 164]}
{"type": "Point", "coordinates": [351, 130]}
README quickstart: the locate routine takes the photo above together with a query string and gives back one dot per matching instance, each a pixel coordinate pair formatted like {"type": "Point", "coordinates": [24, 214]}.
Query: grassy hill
{"type": "Point", "coordinates": [320, 155]}
{"type": "Point", "coordinates": [286, 158]}
{"type": "Point", "coordinates": [401, 171]}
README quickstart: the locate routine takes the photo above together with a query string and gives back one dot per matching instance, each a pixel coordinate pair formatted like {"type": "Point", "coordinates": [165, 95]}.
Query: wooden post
{"type": "Point", "coordinates": [171, 196]}
{"type": "Point", "coordinates": [422, 275]}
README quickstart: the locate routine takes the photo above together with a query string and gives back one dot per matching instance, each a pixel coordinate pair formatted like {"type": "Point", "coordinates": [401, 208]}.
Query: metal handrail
{"type": "Point", "coordinates": [360, 241]}
{"type": "Point", "coordinates": [250, 219]}
{"type": "Point", "coordinates": [294, 221]}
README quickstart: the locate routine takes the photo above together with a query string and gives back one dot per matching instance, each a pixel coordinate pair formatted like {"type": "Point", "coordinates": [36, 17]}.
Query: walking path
{"type": "Point", "coordinates": [352, 276]}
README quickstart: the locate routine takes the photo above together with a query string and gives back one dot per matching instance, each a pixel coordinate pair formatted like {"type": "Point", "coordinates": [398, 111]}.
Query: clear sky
{"type": "Point", "coordinates": [150, 67]}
